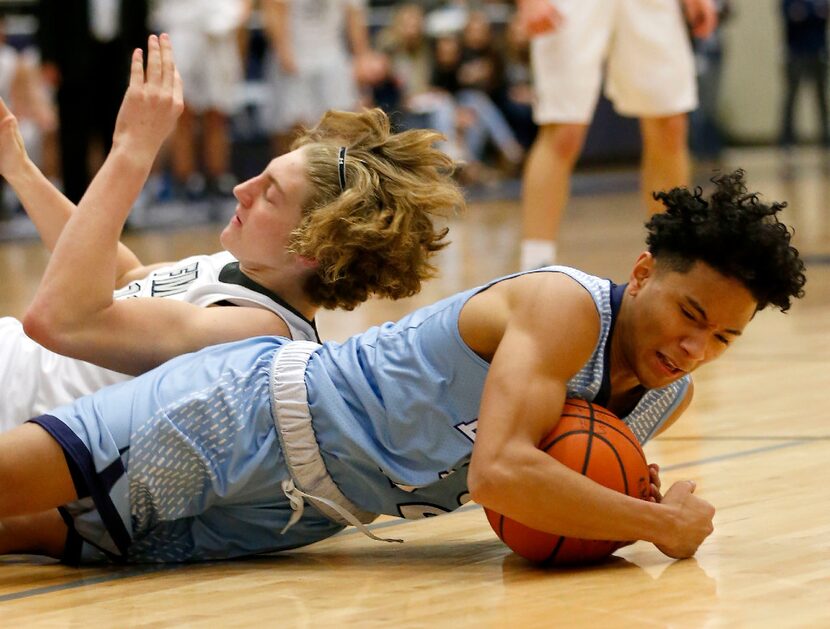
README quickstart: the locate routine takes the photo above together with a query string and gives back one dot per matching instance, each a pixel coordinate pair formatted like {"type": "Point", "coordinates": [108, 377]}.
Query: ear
{"type": "Point", "coordinates": [641, 273]}
{"type": "Point", "coordinates": [308, 263]}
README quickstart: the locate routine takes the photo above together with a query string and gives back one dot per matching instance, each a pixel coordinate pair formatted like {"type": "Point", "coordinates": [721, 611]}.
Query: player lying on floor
{"type": "Point", "coordinates": [297, 242]}
{"type": "Point", "coordinates": [269, 444]}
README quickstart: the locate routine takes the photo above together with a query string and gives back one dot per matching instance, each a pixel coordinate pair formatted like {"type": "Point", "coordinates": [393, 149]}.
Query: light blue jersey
{"type": "Point", "coordinates": [263, 444]}
{"type": "Point", "coordinates": [395, 409]}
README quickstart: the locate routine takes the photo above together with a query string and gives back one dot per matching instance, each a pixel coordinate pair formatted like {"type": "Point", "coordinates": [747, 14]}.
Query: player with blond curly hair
{"type": "Point", "coordinates": [349, 213]}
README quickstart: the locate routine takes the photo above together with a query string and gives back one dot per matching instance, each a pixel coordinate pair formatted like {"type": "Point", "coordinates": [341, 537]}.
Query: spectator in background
{"type": "Point", "coordinates": [86, 46]}
{"type": "Point", "coordinates": [207, 49]}
{"type": "Point", "coordinates": [805, 29]}
{"type": "Point", "coordinates": [311, 69]}
{"type": "Point", "coordinates": [517, 100]}
{"type": "Point", "coordinates": [482, 84]}
{"type": "Point", "coordinates": [705, 137]}
{"type": "Point", "coordinates": [22, 88]}
{"type": "Point", "coordinates": [408, 54]}
{"type": "Point", "coordinates": [640, 50]}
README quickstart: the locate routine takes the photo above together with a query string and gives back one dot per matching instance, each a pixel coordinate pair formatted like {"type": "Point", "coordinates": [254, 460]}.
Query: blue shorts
{"type": "Point", "coordinates": [182, 463]}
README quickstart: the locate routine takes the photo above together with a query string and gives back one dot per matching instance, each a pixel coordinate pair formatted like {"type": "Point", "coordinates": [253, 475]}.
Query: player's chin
{"type": "Point", "coordinates": [226, 238]}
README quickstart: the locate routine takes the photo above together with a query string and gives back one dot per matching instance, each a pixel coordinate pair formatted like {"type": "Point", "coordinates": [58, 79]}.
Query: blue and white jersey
{"type": "Point", "coordinates": [395, 409]}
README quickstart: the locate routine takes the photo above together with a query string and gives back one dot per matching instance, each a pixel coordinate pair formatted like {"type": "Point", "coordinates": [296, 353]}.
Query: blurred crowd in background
{"type": "Point", "coordinates": [256, 70]}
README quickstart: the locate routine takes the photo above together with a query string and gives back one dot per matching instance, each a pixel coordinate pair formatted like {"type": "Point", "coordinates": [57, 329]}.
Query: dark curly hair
{"type": "Point", "coordinates": [734, 233]}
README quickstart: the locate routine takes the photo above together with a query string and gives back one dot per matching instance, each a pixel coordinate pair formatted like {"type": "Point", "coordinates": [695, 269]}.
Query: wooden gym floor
{"type": "Point", "coordinates": [756, 439]}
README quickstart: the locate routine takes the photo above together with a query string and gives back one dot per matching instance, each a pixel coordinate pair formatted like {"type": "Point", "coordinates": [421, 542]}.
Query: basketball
{"type": "Point", "coordinates": [592, 441]}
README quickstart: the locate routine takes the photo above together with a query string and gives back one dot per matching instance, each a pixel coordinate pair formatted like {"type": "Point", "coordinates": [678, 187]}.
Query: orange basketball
{"type": "Point", "coordinates": [596, 443]}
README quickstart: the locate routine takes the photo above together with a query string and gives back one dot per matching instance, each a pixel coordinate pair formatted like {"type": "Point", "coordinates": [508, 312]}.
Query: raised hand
{"type": "Point", "coordinates": [153, 101]}
{"type": "Point", "coordinates": [13, 154]}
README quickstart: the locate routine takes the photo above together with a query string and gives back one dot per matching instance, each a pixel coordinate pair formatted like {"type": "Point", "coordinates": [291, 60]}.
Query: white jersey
{"type": "Point", "coordinates": [35, 380]}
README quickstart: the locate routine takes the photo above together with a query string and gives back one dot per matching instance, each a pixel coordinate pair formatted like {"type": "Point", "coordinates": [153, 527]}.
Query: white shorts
{"type": "Point", "coordinates": [650, 67]}
{"type": "Point", "coordinates": [211, 69]}
{"type": "Point", "coordinates": [304, 97]}
{"type": "Point", "coordinates": [35, 380]}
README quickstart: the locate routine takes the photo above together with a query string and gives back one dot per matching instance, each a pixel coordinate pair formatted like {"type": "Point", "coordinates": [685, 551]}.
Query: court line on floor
{"type": "Point", "coordinates": [142, 570]}
{"type": "Point", "coordinates": [86, 581]}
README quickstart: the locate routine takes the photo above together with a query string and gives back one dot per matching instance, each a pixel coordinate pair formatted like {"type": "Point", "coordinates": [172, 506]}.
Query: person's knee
{"type": "Point", "coordinates": [667, 135]}
{"type": "Point", "coordinates": [564, 140]}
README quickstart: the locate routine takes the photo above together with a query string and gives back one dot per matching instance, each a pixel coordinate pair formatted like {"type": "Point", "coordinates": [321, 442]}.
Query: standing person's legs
{"type": "Point", "coordinates": [793, 78]}
{"type": "Point", "coordinates": [222, 75]}
{"type": "Point", "coordinates": [820, 73]}
{"type": "Point", "coordinates": [567, 71]}
{"type": "Point", "coordinates": [651, 75]}
{"type": "Point", "coordinates": [182, 154]}
{"type": "Point", "coordinates": [665, 162]}
{"type": "Point", "coordinates": [216, 143]}
{"type": "Point", "coordinates": [546, 185]}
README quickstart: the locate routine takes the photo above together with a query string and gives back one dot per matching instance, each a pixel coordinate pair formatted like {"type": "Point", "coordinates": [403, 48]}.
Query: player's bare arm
{"type": "Point", "coordinates": [79, 281]}
{"type": "Point", "coordinates": [132, 336]}
{"type": "Point", "coordinates": [45, 205]}
{"type": "Point", "coordinates": [550, 328]}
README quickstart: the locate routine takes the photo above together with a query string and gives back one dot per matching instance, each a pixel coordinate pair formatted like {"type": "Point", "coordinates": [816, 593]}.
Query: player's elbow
{"type": "Point", "coordinates": [43, 326]}
{"type": "Point", "coordinates": [487, 480]}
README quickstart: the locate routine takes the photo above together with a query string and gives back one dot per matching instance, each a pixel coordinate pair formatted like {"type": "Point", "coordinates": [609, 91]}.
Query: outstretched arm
{"type": "Point", "coordinates": [73, 311]}
{"type": "Point", "coordinates": [550, 329]}
{"type": "Point", "coordinates": [46, 206]}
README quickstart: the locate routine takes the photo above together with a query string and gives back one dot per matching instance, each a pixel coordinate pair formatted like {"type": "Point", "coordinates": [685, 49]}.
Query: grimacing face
{"type": "Point", "coordinates": [681, 320]}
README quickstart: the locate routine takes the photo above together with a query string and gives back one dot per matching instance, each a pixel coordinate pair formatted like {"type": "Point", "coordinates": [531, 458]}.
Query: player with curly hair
{"type": "Point", "coordinates": [348, 214]}
{"type": "Point", "coordinates": [269, 444]}
{"type": "Point", "coordinates": [734, 233]}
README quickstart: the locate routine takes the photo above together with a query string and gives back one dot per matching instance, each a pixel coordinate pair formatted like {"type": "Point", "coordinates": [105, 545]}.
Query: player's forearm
{"type": "Point", "coordinates": [545, 495]}
{"type": "Point", "coordinates": [49, 210]}
{"type": "Point", "coordinates": [80, 276]}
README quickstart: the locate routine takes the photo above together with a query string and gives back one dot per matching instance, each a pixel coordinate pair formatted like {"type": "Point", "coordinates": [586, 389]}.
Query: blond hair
{"type": "Point", "coordinates": [376, 236]}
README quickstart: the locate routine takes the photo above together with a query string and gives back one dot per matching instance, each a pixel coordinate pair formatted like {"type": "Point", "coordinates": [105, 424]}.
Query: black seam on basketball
{"type": "Point", "coordinates": [619, 461]}
{"type": "Point", "coordinates": [559, 438]}
{"type": "Point", "coordinates": [627, 437]}
{"type": "Point", "coordinates": [590, 443]}
{"type": "Point", "coordinates": [501, 528]}
{"type": "Point", "coordinates": [555, 550]}
{"type": "Point", "coordinates": [598, 415]}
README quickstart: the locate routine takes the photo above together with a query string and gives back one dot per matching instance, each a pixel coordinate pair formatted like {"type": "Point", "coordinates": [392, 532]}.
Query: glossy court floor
{"type": "Point", "coordinates": [757, 440]}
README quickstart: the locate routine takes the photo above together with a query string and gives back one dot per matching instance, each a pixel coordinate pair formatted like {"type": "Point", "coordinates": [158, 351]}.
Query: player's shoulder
{"type": "Point", "coordinates": [557, 289]}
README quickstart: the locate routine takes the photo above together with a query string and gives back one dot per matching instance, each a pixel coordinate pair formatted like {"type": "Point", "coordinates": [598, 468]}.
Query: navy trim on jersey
{"type": "Point", "coordinates": [232, 274]}
{"type": "Point", "coordinates": [604, 393]}
{"type": "Point", "coordinates": [87, 481]}
{"type": "Point", "coordinates": [73, 548]}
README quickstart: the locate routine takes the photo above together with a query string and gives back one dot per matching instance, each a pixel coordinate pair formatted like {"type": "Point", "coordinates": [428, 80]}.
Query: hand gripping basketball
{"type": "Point", "coordinates": [594, 442]}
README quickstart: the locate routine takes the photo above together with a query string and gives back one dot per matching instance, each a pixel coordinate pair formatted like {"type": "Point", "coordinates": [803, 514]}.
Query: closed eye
{"type": "Point", "coordinates": [265, 194]}
{"type": "Point", "coordinates": [687, 314]}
